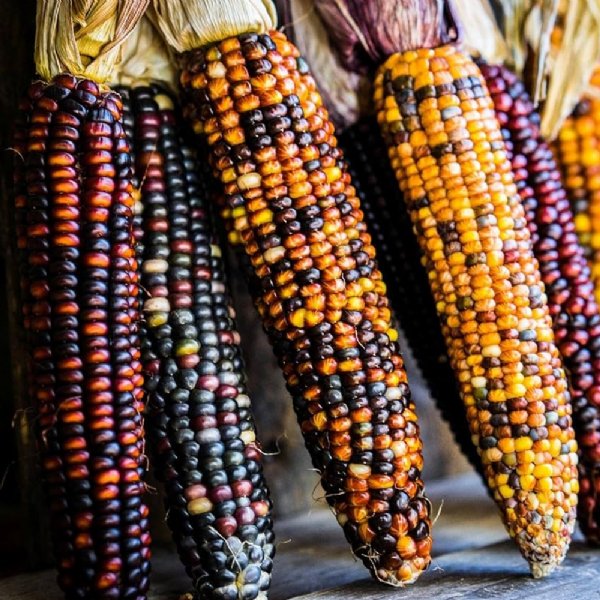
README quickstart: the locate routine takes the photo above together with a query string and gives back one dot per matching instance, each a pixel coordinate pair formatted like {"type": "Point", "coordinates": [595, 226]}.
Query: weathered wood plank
{"type": "Point", "coordinates": [312, 553]}
{"type": "Point", "coordinates": [496, 571]}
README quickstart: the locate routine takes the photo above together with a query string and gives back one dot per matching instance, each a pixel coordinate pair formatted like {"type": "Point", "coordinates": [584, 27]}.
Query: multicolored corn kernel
{"type": "Point", "coordinates": [564, 271]}
{"type": "Point", "coordinates": [399, 256]}
{"type": "Point", "coordinates": [290, 203]}
{"type": "Point", "coordinates": [82, 322]}
{"type": "Point", "coordinates": [577, 151]}
{"type": "Point", "coordinates": [446, 148]}
{"type": "Point", "coordinates": [200, 426]}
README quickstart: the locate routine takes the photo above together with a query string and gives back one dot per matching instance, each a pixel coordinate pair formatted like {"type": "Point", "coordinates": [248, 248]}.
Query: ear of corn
{"type": "Point", "coordinates": [81, 314]}
{"type": "Point", "coordinates": [446, 148]}
{"type": "Point", "coordinates": [564, 271]}
{"type": "Point", "coordinates": [577, 150]}
{"type": "Point", "coordinates": [200, 427]}
{"type": "Point", "coordinates": [400, 259]}
{"type": "Point", "coordinates": [291, 205]}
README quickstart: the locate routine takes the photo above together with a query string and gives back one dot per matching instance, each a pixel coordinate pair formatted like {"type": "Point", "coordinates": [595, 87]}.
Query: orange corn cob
{"type": "Point", "coordinates": [564, 270]}
{"type": "Point", "coordinates": [290, 203]}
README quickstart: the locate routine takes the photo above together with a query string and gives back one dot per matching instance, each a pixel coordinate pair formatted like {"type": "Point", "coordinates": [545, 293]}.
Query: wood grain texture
{"type": "Point", "coordinates": [312, 554]}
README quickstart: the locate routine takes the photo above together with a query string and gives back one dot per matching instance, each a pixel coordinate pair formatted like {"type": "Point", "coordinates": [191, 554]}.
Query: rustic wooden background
{"type": "Point", "coordinates": [24, 540]}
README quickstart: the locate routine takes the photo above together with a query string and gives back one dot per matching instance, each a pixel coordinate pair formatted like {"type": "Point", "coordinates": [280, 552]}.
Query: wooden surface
{"type": "Point", "coordinates": [472, 559]}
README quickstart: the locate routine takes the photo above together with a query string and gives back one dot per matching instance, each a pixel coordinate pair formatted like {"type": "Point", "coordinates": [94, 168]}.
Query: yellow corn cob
{"type": "Point", "coordinates": [446, 148]}
{"type": "Point", "coordinates": [577, 150]}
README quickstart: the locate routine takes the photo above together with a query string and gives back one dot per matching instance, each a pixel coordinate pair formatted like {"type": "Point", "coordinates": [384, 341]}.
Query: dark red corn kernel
{"type": "Point", "coordinates": [565, 272]}
{"type": "Point", "coordinates": [187, 366]}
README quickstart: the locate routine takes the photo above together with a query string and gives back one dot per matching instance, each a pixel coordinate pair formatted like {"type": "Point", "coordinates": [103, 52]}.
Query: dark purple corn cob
{"type": "Point", "coordinates": [399, 257]}
{"type": "Point", "coordinates": [81, 312]}
{"type": "Point", "coordinates": [199, 422]}
{"type": "Point", "coordinates": [565, 272]}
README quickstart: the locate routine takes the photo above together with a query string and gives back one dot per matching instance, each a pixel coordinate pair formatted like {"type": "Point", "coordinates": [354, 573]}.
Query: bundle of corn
{"type": "Point", "coordinates": [200, 428]}
{"type": "Point", "coordinates": [400, 258]}
{"type": "Point", "coordinates": [291, 205]}
{"type": "Point", "coordinates": [74, 212]}
{"type": "Point", "coordinates": [446, 148]}
{"type": "Point", "coordinates": [564, 272]}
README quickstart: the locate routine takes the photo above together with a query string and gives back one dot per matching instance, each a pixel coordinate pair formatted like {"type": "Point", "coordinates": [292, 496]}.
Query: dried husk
{"type": "Point", "coordinates": [83, 37]}
{"type": "Point", "coordinates": [347, 95]}
{"type": "Point", "coordinates": [572, 64]}
{"type": "Point", "coordinates": [145, 59]}
{"type": "Point", "coordinates": [538, 30]}
{"type": "Point", "coordinates": [366, 33]}
{"type": "Point", "coordinates": [527, 25]}
{"type": "Point", "coordinates": [480, 33]}
{"type": "Point", "coordinates": [190, 24]}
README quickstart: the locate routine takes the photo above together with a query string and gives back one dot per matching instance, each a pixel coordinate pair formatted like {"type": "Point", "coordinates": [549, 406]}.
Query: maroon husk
{"type": "Point", "coordinates": [366, 32]}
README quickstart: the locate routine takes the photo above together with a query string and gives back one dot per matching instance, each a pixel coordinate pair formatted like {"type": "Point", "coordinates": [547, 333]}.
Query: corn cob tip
{"type": "Point", "coordinates": [543, 557]}
{"type": "Point", "coordinates": [539, 570]}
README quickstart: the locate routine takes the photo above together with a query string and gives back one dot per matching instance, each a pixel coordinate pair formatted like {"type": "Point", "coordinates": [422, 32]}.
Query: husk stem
{"type": "Point", "coordinates": [572, 63]}
{"type": "Point", "coordinates": [191, 24]}
{"type": "Point", "coordinates": [527, 26]}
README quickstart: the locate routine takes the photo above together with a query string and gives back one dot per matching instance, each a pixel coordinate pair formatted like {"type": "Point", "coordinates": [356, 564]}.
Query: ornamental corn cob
{"type": "Point", "coordinates": [577, 151]}
{"type": "Point", "coordinates": [82, 285]}
{"type": "Point", "coordinates": [564, 272]}
{"type": "Point", "coordinates": [400, 259]}
{"type": "Point", "coordinates": [290, 203]}
{"type": "Point", "coordinates": [446, 148]}
{"type": "Point", "coordinates": [199, 420]}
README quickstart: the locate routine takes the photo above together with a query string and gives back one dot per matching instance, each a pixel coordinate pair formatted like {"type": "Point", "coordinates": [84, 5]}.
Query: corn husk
{"type": "Point", "coordinates": [83, 37]}
{"type": "Point", "coordinates": [480, 33]}
{"type": "Point", "coordinates": [527, 26]}
{"type": "Point", "coordinates": [145, 59]}
{"type": "Point", "coordinates": [573, 63]}
{"type": "Point", "coordinates": [366, 33]}
{"type": "Point", "coordinates": [347, 95]}
{"type": "Point", "coordinates": [190, 24]}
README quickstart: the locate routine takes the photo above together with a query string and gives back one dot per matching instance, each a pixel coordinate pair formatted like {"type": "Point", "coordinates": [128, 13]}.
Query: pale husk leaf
{"type": "Point", "coordinates": [538, 27]}
{"type": "Point", "coordinates": [480, 33]}
{"type": "Point", "coordinates": [573, 63]}
{"type": "Point", "coordinates": [527, 25]}
{"type": "Point", "coordinates": [145, 59]}
{"type": "Point", "coordinates": [83, 37]}
{"type": "Point", "coordinates": [190, 24]}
